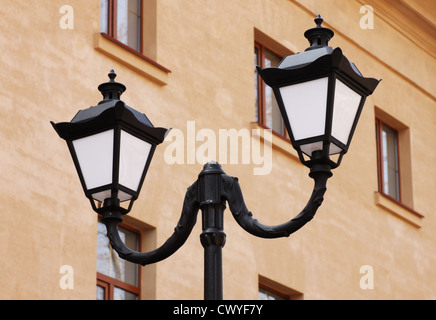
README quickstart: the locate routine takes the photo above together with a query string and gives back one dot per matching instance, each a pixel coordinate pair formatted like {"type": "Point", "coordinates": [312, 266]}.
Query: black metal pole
{"type": "Point", "coordinates": [213, 237]}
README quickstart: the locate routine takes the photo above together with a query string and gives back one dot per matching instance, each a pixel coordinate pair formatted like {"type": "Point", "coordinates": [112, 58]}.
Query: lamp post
{"type": "Point", "coordinates": [320, 95]}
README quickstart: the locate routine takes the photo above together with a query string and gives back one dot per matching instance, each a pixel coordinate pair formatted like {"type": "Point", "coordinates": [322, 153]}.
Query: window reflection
{"type": "Point", "coordinates": [267, 111]}
{"type": "Point", "coordinates": [273, 118]}
{"type": "Point", "coordinates": [118, 276]}
{"type": "Point", "coordinates": [121, 19]}
{"type": "Point", "coordinates": [129, 22]}
{"type": "Point", "coordinates": [390, 162]}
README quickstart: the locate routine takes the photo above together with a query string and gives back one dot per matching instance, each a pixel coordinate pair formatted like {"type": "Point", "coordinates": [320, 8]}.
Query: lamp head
{"type": "Point", "coordinates": [112, 146]}
{"type": "Point", "coordinates": [320, 94]}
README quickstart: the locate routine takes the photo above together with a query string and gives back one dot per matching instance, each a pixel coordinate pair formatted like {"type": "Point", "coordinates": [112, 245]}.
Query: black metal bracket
{"type": "Point", "coordinates": [181, 233]}
{"type": "Point", "coordinates": [210, 193]}
{"type": "Point", "coordinates": [233, 194]}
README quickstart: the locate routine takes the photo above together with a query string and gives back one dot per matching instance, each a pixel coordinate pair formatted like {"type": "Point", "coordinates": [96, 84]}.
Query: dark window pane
{"type": "Point", "coordinates": [256, 83]}
{"type": "Point", "coordinates": [273, 118]}
{"type": "Point", "coordinates": [389, 150]}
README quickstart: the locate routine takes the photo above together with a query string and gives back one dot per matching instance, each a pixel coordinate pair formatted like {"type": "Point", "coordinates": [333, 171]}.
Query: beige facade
{"type": "Point", "coordinates": [203, 80]}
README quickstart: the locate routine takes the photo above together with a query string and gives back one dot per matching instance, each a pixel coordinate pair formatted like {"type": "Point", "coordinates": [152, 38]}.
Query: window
{"type": "Point", "coordinates": [117, 279]}
{"type": "Point", "coordinates": [265, 294]}
{"type": "Point", "coordinates": [394, 165]}
{"type": "Point", "coordinates": [121, 20]}
{"type": "Point", "coordinates": [388, 160]}
{"type": "Point", "coordinates": [272, 290]}
{"type": "Point", "coordinates": [266, 108]}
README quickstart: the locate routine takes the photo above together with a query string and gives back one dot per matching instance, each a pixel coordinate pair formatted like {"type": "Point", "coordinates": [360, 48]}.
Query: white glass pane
{"type": "Point", "coordinates": [344, 112]}
{"type": "Point", "coordinates": [305, 104]}
{"type": "Point", "coordinates": [95, 155]}
{"type": "Point", "coordinates": [133, 157]}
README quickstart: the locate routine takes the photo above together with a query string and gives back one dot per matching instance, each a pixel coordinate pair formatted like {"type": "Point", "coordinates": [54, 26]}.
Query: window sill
{"type": "Point", "coordinates": [398, 209]}
{"type": "Point", "coordinates": [135, 60]}
{"type": "Point", "coordinates": [277, 142]}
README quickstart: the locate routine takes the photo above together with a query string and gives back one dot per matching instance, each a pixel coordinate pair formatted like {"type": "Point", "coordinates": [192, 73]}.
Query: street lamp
{"type": "Point", "coordinates": [320, 95]}
{"type": "Point", "coordinates": [111, 145]}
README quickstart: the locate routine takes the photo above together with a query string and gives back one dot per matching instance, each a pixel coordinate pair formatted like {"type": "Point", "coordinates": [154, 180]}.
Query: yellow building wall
{"type": "Point", "coordinates": [48, 73]}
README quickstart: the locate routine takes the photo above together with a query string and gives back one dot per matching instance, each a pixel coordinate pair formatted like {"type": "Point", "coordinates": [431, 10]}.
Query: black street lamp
{"type": "Point", "coordinates": [320, 94]}
{"type": "Point", "coordinates": [111, 145]}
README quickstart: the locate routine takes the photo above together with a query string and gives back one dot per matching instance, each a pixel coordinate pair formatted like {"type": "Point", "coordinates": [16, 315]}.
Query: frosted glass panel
{"type": "Point", "coordinates": [311, 147]}
{"type": "Point", "coordinates": [133, 157]}
{"type": "Point", "coordinates": [102, 195]}
{"type": "Point", "coordinates": [95, 155]}
{"type": "Point", "coordinates": [334, 149]}
{"type": "Point", "coordinates": [305, 104]}
{"type": "Point", "coordinates": [345, 108]}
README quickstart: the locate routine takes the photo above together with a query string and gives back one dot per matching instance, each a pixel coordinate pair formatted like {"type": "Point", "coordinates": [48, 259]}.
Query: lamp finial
{"type": "Point", "coordinates": [318, 20]}
{"type": "Point", "coordinates": [111, 90]}
{"type": "Point", "coordinates": [112, 75]}
{"type": "Point", "coordinates": [319, 36]}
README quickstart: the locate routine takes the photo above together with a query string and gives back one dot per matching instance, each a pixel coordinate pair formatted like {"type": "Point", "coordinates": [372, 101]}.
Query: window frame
{"type": "Point", "coordinates": [276, 294]}
{"type": "Point", "coordinates": [261, 87]}
{"type": "Point", "coordinates": [380, 170]}
{"type": "Point", "coordinates": [278, 289]}
{"type": "Point", "coordinates": [109, 283]}
{"type": "Point", "coordinates": [112, 26]}
{"type": "Point", "coordinates": [404, 208]}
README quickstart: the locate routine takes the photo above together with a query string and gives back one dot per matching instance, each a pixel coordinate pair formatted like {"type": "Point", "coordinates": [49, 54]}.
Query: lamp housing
{"type": "Point", "coordinates": [320, 94]}
{"type": "Point", "coordinates": [111, 145]}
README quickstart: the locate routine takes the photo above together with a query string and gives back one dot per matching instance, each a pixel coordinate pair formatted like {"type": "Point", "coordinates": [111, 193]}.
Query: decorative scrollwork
{"type": "Point", "coordinates": [233, 194]}
{"type": "Point", "coordinates": [229, 190]}
{"type": "Point", "coordinates": [181, 233]}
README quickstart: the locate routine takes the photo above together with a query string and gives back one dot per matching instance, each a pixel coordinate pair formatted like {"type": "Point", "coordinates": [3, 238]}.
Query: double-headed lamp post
{"type": "Point", "coordinates": [320, 95]}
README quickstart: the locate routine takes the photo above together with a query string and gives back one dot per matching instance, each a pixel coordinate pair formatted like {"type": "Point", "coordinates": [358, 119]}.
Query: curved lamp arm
{"type": "Point", "coordinates": [209, 193]}
{"type": "Point", "coordinates": [182, 231]}
{"type": "Point", "coordinates": [232, 192]}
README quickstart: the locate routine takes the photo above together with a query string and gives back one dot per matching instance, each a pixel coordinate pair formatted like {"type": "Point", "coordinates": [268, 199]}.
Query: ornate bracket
{"type": "Point", "coordinates": [181, 233]}
{"type": "Point", "coordinates": [233, 194]}
{"type": "Point", "coordinates": [209, 193]}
